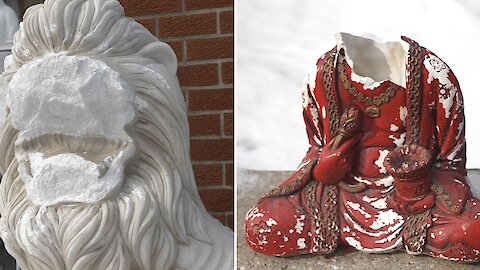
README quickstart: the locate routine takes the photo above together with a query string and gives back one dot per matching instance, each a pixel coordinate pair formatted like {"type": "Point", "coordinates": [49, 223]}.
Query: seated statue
{"type": "Point", "coordinates": [94, 148]}
{"type": "Point", "coordinates": [386, 166]}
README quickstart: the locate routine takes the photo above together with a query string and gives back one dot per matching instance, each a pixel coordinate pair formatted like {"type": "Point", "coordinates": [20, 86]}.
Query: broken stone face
{"type": "Point", "coordinates": [72, 113]}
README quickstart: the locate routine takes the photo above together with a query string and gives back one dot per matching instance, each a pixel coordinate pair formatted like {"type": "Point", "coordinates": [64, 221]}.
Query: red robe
{"type": "Point", "coordinates": [304, 216]}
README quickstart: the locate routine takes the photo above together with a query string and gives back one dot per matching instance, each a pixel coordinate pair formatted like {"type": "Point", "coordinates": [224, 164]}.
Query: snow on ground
{"type": "Point", "coordinates": [278, 43]}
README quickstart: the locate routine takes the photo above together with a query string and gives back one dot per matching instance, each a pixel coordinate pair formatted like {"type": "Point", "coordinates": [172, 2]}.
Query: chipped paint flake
{"type": "Point", "coordinates": [299, 225]}
{"type": "Point", "coordinates": [324, 112]}
{"type": "Point", "coordinates": [301, 243]}
{"type": "Point", "coordinates": [270, 222]}
{"type": "Point", "coordinates": [362, 180]}
{"type": "Point", "coordinates": [398, 141]}
{"type": "Point", "coordinates": [359, 208]}
{"type": "Point", "coordinates": [454, 153]}
{"type": "Point", "coordinates": [380, 203]}
{"type": "Point", "coordinates": [385, 218]}
{"type": "Point", "coordinates": [403, 114]}
{"type": "Point", "coordinates": [460, 129]}
{"type": "Point", "coordinates": [254, 213]}
{"type": "Point", "coordinates": [354, 242]}
{"type": "Point", "coordinates": [437, 69]}
{"type": "Point", "coordinates": [386, 181]}
{"type": "Point", "coordinates": [314, 113]}
{"type": "Point", "coordinates": [393, 127]}
{"type": "Point", "coordinates": [381, 158]}
{"type": "Point", "coordinates": [368, 199]}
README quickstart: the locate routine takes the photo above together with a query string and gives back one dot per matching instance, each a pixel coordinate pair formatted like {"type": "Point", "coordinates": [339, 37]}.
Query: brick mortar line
{"type": "Point", "coordinates": [195, 113]}
{"type": "Point", "coordinates": [184, 52]}
{"type": "Point", "coordinates": [219, 27]}
{"type": "Point", "coordinates": [208, 87]}
{"type": "Point", "coordinates": [219, 73]}
{"type": "Point", "coordinates": [215, 187]}
{"type": "Point", "coordinates": [222, 125]}
{"type": "Point", "coordinates": [183, 6]}
{"type": "Point", "coordinates": [211, 162]}
{"type": "Point", "coordinates": [221, 212]}
{"type": "Point", "coordinates": [224, 173]}
{"type": "Point", "coordinates": [211, 137]}
{"type": "Point", "coordinates": [183, 13]}
{"type": "Point", "coordinates": [206, 61]}
{"type": "Point", "coordinates": [156, 30]}
{"type": "Point", "coordinates": [213, 113]}
{"type": "Point", "coordinates": [194, 37]}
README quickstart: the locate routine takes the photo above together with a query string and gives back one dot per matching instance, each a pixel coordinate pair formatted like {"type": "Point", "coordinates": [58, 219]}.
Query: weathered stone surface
{"type": "Point", "coordinates": [94, 148]}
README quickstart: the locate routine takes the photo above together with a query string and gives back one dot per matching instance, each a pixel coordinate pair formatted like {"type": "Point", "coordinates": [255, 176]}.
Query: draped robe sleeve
{"type": "Point", "coordinates": [312, 116]}
{"type": "Point", "coordinates": [446, 106]}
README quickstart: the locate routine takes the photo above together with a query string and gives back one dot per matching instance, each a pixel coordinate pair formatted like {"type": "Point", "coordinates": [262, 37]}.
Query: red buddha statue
{"type": "Point", "coordinates": [386, 165]}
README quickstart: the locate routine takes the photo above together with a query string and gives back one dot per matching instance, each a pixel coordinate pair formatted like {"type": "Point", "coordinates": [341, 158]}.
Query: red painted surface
{"type": "Point", "coordinates": [427, 211]}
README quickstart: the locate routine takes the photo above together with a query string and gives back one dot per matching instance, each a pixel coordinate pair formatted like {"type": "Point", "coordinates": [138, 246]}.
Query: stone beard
{"type": "Point", "coordinates": [94, 147]}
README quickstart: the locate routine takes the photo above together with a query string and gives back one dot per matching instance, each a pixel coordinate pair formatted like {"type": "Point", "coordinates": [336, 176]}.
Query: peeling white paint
{"type": "Point", "coordinates": [367, 82]}
{"type": "Point", "coordinates": [437, 69]}
{"type": "Point", "coordinates": [381, 158]}
{"type": "Point", "coordinates": [285, 238]}
{"type": "Point", "coordinates": [362, 180]}
{"type": "Point", "coordinates": [385, 218]}
{"type": "Point", "coordinates": [354, 242]}
{"type": "Point", "coordinates": [254, 213]}
{"type": "Point", "coordinates": [454, 153]}
{"type": "Point", "coordinates": [386, 181]}
{"type": "Point", "coordinates": [460, 129]}
{"type": "Point", "coordinates": [324, 112]}
{"type": "Point", "coordinates": [299, 225]}
{"type": "Point", "coordinates": [403, 114]}
{"type": "Point", "coordinates": [303, 164]}
{"type": "Point", "coordinates": [271, 222]}
{"type": "Point", "coordinates": [317, 140]}
{"type": "Point", "coordinates": [393, 127]}
{"type": "Point", "coordinates": [301, 243]}
{"type": "Point", "coordinates": [359, 208]}
{"type": "Point", "coordinates": [368, 199]}
{"type": "Point", "coordinates": [380, 203]}
{"type": "Point", "coordinates": [360, 229]}
{"type": "Point", "coordinates": [314, 113]}
{"type": "Point", "coordinates": [398, 141]}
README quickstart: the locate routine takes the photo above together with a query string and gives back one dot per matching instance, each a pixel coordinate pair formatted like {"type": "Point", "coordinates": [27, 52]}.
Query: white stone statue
{"type": "Point", "coordinates": [94, 148]}
{"type": "Point", "coordinates": [8, 27]}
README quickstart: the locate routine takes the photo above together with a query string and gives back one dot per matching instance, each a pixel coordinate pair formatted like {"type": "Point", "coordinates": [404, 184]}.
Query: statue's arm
{"type": "Point", "coordinates": [312, 119]}
{"type": "Point", "coordinates": [449, 173]}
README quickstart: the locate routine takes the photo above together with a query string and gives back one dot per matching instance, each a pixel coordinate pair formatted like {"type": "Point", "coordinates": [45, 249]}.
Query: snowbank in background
{"type": "Point", "coordinates": [278, 42]}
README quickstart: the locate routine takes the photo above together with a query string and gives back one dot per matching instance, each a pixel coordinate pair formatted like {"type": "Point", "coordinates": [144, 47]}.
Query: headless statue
{"type": "Point", "coordinates": [386, 166]}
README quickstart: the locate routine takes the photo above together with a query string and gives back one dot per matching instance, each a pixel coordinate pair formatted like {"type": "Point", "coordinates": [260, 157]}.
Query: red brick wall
{"type": "Point", "coordinates": [201, 33]}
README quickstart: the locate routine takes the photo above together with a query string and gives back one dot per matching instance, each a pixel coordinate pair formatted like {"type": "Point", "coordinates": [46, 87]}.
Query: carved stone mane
{"type": "Point", "coordinates": [94, 148]}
